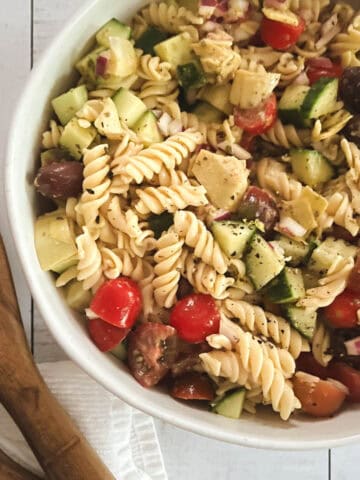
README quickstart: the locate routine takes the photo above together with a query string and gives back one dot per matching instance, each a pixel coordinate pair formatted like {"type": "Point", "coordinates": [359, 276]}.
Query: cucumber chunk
{"type": "Point", "coordinates": [67, 104]}
{"type": "Point", "coordinates": [311, 167]}
{"type": "Point", "coordinates": [160, 223]}
{"type": "Point", "coordinates": [321, 98]}
{"type": "Point", "coordinates": [263, 263]}
{"type": "Point", "coordinates": [147, 129]}
{"type": "Point", "coordinates": [76, 297]}
{"type": "Point", "coordinates": [302, 319]}
{"type": "Point", "coordinates": [207, 113]}
{"type": "Point", "coordinates": [176, 50]}
{"type": "Point", "coordinates": [191, 75]}
{"type": "Point", "coordinates": [53, 155]}
{"type": "Point", "coordinates": [113, 28]}
{"type": "Point", "coordinates": [297, 252]}
{"type": "Point", "coordinates": [328, 252]}
{"type": "Point", "coordinates": [151, 37]}
{"type": "Point", "coordinates": [75, 138]}
{"type": "Point", "coordinates": [290, 105]}
{"type": "Point", "coordinates": [287, 287]}
{"type": "Point", "coordinates": [233, 236]}
{"type": "Point", "coordinates": [218, 96]}
{"type": "Point", "coordinates": [130, 108]}
{"type": "Point", "coordinates": [231, 405]}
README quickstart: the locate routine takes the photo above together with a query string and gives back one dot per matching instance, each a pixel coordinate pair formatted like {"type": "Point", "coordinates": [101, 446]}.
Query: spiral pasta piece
{"type": "Point", "coordinates": [90, 261]}
{"type": "Point", "coordinates": [328, 126]}
{"type": "Point", "coordinates": [152, 68]}
{"type": "Point", "coordinates": [154, 93]}
{"type": "Point", "coordinates": [289, 66]}
{"type": "Point", "coordinates": [286, 136]}
{"type": "Point", "coordinates": [51, 137]}
{"type": "Point", "coordinates": [340, 212]}
{"type": "Point", "coordinates": [198, 237]}
{"type": "Point", "coordinates": [256, 320]}
{"type": "Point", "coordinates": [169, 153]}
{"type": "Point", "coordinates": [349, 41]}
{"type": "Point", "coordinates": [205, 278]}
{"type": "Point", "coordinates": [167, 269]}
{"type": "Point", "coordinates": [91, 110]}
{"type": "Point", "coordinates": [169, 17]}
{"type": "Point", "coordinates": [272, 176]}
{"type": "Point", "coordinates": [330, 286]}
{"type": "Point", "coordinates": [352, 177]}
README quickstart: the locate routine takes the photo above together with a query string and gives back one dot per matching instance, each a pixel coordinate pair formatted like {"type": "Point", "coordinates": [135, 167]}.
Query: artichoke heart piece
{"type": "Point", "coordinates": [250, 89]}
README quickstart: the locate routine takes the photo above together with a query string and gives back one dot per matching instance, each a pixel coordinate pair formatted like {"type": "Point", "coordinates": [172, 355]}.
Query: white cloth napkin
{"type": "Point", "coordinates": [125, 438]}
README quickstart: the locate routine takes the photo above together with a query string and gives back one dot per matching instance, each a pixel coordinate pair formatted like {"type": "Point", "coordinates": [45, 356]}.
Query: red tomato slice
{"type": "Point", "coordinates": [195, 317]}
{"type": "Point", "coordinates": [342, 313]}
{"type": "Point", "coordinates": [349, 377]}
{"type": "Point", "coordinates": [354, 279]}
{"type": "Point", "coordinates": [106, 336]}
{"type": "Point", "coordinates": [257, 120]}
{"type": "Point", "coordinates": [280, 36]}
{"type": "Point", "coordinates": [151, 352]}
{"type": "Point", "coordinates": [307, 363]}
{"type": "Point", "coordinates": [192, 386]}
{"type": "Point", "coordinates": [323, 67]}
{"type": "Point", "coordinates": [319, 398]}
{"type": "Point", "coordinates": [118, 302]}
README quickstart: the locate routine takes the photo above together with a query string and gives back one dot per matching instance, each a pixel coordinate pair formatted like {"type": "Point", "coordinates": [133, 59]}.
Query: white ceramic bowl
{"type": "Point", "coordinates": [51, 77]}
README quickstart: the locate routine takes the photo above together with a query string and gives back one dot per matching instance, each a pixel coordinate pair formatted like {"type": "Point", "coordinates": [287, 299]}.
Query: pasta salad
{"type": "Point", "coordinates": [203, 177]}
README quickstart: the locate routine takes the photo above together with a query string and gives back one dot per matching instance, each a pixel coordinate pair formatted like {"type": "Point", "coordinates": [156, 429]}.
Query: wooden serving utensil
{"type": "Point", "coordinates": [60, 448]}
{"type": "Point", "coordinates": [9, 470]}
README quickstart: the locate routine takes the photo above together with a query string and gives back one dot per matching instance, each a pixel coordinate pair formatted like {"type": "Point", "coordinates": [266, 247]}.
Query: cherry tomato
{"type": "Point", "coordinates": [192, 386]}
{"type": "Point", "coordinates": [188, 358]}
{"type": "Point", "coordinates": [354, 279]}
{"type": "Point", "coordinates": [257, 120]}
{"type": "Point", "coordinates": [106, 336]}
{"type": "Point", "coordinates": [307, 363]}
{"type": "Point", "coordinates": [319, 398]}
{"type": "Point", "coordinates": [258, 204]}
{"type": "Point", "coordinates": [118, 302]}
{"type": "Point", "coordinates": [322, 67]}
{"type": "Point", "coordinates": [151, 352]}
{"type": "Point", "coordinates": [342, 312]}
{"type": "Point", "coordinates": [195, 317]}
{"type": "Point", "coordinates": [349, 377]}
{"type": "Point", "coordinates": [280, 36]}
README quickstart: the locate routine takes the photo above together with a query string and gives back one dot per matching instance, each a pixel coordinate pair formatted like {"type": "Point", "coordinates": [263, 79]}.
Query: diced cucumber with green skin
{"type": "Point", "coordinates": [151, 37]}
{"type": "Point", "coordinates": [328, 252]}
{"type": "Point", "coordinates": [120, 351]}
{"type": "Point", "coordinates": [321, 98]}
{"type": "Point", "coordinates": [191, 75]}
{"type": "Point", "coordinates": [263, 263]}
{"type": "Point", "coordinates": [67, 104]}
{"type": "Point", "coordinates": [53, 155]}
{"type": "Point", "coordinates": [160, 223]}
{"type": "Point", "coordinates": [290, 106]}
{"type": "Point", "coordinates": [218, 96]}
{"type": "Point", "coordinates": [231, 406]}
{"type": "Point", "coordinates": [147, 129]}
{"type": "Point", "coordinates": [54, 242]}
{"type": "Point", "coordinates": [87, 65]}
{"type": "Point", "coordinates": [130, 108]}
{"type": "Point", "coordinates": [233, 236]}
{"type": "Point", "coordinates": [311, 167]}
{"type": "Point", "coordinates": [287, 287]}
{"type": "Point", "coordinates": [296, 251]}
{"type": "Point", "coordinates": [76, 297]}
{"type": "Point", "coordinates": [113, 28]}
{"type": "Point", "coordinates": [302, 319]}
{"type": "Point", "coordinates": [176, 50]}
{"type": "Point", "coordinates": [75, 138]}
{"type": "Point", "coordinates": [207, 113]}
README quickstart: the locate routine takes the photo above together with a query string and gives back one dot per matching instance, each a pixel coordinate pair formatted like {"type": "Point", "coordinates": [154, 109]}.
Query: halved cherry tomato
{"type": "Point", "coordinates": [342, 312]}
{"type": "Point", "coordinates": [188, 359]}
{"type": "Point", "coordinates": [151, 352]}
{"type": "Point", "coordinates": [195, 317]}
{"type": "Point", "coordinates": [257, 120]}
{"type": "Point", "coordinates": [354, 279]}
{"type": "Point", "coordinates": [319, 398]}
{"type": "Point", "coordinates": [318, 68]}
{"type": "Point", "coordinates": [349, 377]}
{"type": "Point", "coordinates": [192, 386]}
{"type": "Point", "coordinates": [106, 336]}
{"type": "Point", "coordinates": [307, 363]}
{"type": "Point", "coordinates": [118, 302]}
{"type": "Point", "coordinates": [279, 35]}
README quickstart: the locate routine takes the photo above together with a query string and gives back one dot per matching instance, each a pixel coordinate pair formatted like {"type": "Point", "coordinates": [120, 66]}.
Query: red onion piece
{"type": "Point", "coordinates": [290, 227]}
{"type": "Point", "coordinates": [101, 65]}
{"type": "Point", "coordinates": [208, 3]}
{"type": "Point", "coordinates": [222, 215]}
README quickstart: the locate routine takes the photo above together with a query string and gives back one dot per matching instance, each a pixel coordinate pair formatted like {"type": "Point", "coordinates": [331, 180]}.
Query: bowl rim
{"type": "Point", "coordinates": [44, 304]}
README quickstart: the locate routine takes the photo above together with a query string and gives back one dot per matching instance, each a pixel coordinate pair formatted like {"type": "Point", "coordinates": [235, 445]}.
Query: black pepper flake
{"type": "Point", "coordinates": [110, 174]}
{"type": "Point", "coordinates": [90, 191]}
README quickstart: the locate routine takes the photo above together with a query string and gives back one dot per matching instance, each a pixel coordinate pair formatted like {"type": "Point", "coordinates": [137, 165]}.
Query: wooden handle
{"type": "Point", "coordinates": [9, 470]}
{"type": "Point", "coordinates": [60, 448]}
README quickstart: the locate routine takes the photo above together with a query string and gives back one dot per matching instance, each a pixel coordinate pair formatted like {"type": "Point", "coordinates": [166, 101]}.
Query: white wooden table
{"type": "Point", "coordinates": [26, 27]}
